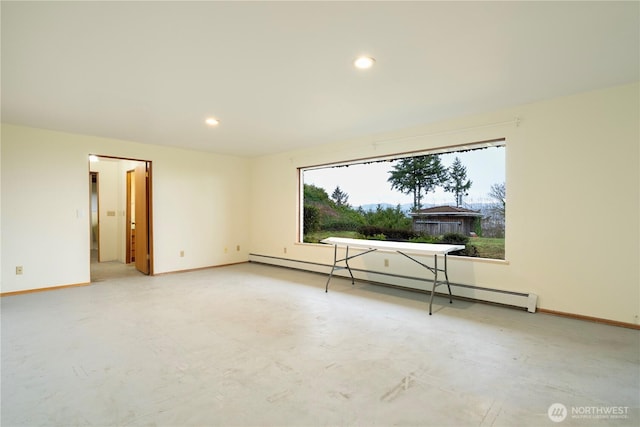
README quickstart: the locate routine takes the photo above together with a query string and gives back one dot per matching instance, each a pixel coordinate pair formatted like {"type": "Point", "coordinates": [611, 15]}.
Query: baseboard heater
{"type": "Point", "coordinates": [526, 301]}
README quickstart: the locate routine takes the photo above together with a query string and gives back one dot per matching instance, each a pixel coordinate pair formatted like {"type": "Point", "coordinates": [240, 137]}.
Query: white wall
{"type": "Point", "coordinates": [200, 205]}
{"type": "Point", "coordinates": [572, 233]}
{"type": "Point", "coordinates": [572, 216]}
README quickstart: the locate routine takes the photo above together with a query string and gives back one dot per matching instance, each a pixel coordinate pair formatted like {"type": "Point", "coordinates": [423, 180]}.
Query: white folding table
{"type": "Point", "coordinates": [408, 249]}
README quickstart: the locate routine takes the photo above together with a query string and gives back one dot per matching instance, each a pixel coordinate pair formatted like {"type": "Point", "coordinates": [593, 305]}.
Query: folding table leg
{"type": "Point", "coordinates": [346, 262]}
{"type": "Point", "coordinates": [446, 277]}
{"type": "Point", "coordinates": [435, 281]}
{"type": "Point", "coordinates": [335, 260]}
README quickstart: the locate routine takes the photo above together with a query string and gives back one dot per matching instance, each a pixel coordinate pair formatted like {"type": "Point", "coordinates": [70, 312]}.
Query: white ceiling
{"type": "Point", "coordinates": [279, 75]}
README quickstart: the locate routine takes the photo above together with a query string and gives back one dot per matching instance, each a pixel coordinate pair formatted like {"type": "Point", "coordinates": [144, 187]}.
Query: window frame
{"type": "Point", "coordinates": [449, 149]}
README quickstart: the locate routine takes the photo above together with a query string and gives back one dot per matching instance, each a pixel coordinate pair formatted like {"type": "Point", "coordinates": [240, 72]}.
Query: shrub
{"type": "Point", "coordinates": [459, 239]}
{"type": "Point", "coordinates": [424, 238]}
{"type": "Point", "coordinates": [338, 225]}
{"type": "Point", "coordinates": [454, 239]}
{"type": "Point", "coordinates": [387, 218]}
{"type": "Point", "coordinates": [477, 227]}
{"type": "Point", "coordinates": [369, 231]}
{"type": "Point", "coordinates": [311, 219]}
{"type": "Point", "coordinates": [469, 250]}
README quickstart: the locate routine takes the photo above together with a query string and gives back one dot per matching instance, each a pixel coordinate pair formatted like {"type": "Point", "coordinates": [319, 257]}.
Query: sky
{"type": "Point", "coordinates": [367, 183]}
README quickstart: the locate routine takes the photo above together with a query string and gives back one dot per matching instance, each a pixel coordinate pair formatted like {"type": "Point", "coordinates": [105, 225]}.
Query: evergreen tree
{"type": "Point", "coordinates": [418, 175]}
{"type": "Point", "coordinates": [456, 183]}
{"type": "Point", "coordinates": [340, 197]}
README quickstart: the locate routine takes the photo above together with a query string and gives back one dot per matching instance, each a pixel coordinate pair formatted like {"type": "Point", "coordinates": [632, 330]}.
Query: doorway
{"type": "Point", "coordinates": [95, 238]}
{"type": "Point", "coordinates": [121, 227]}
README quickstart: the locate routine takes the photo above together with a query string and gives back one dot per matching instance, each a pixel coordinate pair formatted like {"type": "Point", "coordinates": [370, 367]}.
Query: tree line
{"type": "Point", "coordinates": [420, 175]}
{"type": "Point", "coordinates": [417, 175]}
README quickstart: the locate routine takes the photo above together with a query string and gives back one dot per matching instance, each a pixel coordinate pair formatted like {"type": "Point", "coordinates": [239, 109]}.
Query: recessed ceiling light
{"type": "Point", "coordinates": [212, 122]}
{"type": "Point", "coordinates": [364, 62]}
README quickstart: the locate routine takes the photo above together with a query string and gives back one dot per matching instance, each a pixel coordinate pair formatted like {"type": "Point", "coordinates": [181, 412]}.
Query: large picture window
{"type": "Point", "coordinates": [455, 195]}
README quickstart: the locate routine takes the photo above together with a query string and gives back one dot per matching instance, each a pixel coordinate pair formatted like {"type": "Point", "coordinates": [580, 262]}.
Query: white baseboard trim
{"type": "Point", "coordinates": [526, 301]}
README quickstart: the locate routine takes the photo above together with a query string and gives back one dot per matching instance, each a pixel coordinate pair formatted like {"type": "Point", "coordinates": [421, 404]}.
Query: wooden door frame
{"type": "Point", "coordinates": [150, 216]}
{"type": "Point", "coordinates": [142, 192]}
{"type": "Point", "coordinates": [149, 164]}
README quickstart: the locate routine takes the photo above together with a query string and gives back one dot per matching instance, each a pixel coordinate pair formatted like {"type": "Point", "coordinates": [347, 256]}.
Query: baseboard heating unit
{"type": "Point", "coordinates": [526, 301]}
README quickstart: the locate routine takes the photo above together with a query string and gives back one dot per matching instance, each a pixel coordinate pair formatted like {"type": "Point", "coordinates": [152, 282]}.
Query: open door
{"type": "Point", "coordinates": [142, 254]}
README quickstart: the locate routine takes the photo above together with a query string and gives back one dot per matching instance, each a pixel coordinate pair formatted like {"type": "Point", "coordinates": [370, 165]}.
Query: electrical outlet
{"type": "Point", "coordinates": [386, 262]}
{"type": "Point", "coordinates": [19, 269]}
{"type": "Point", "coordinates": [181, 254]}
{"type": "Point", "coordinates": [225, 250]}
{"type": "Point", "coordinates": [238, 248]}
{"type": "Point", "coordinates": [285, 250]}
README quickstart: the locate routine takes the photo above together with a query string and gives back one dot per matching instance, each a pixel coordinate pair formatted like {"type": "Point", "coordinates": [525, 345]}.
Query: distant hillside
{"type": "Point", "coordinates": [373, 206]}
{"type": "Point", "coordinates": [482, 207]}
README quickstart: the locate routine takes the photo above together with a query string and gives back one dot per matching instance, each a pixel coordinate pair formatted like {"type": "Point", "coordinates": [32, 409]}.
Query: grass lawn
{"type": "Point", "coordinates": [488, 247]}
{"type": "Point", "coordinates": [319, 235]}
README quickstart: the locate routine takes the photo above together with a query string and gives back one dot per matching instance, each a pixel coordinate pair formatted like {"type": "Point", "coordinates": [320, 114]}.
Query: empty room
{"type": "Point", "coordinates": [320, 213]}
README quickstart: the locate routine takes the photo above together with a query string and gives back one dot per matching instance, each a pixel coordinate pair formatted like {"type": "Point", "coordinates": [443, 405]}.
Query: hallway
{"type": "Point", "coordinates": [101, 271]}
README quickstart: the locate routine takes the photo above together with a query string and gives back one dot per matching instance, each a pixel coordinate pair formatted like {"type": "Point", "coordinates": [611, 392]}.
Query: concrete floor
{"type": "Point", "coordinates": [254, 345]}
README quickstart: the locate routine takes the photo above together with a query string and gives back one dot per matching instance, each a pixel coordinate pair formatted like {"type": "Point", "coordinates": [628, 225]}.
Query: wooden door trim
{"type": "Point", "coordinates": [143, 255]}
{"type": "Point", "coordinates": [150, 217]}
